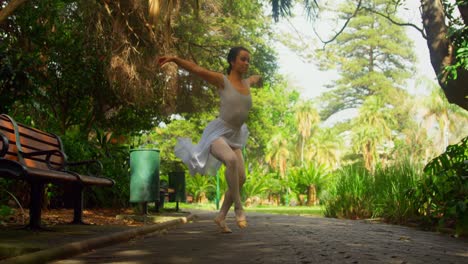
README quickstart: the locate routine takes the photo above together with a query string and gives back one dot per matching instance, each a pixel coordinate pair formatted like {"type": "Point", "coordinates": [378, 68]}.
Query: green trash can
{"type": "Point", "coordinates": [177, 182]}
{"type": "Point", "coordinates": [144, 179]}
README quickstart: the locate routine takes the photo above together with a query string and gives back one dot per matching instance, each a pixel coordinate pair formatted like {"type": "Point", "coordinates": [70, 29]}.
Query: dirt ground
{"type": "Point", "coordinates": [62, 216]}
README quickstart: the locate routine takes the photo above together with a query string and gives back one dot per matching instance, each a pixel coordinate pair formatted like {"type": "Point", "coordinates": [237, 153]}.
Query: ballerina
{"type": "Point", "coordinates": [224, 137]}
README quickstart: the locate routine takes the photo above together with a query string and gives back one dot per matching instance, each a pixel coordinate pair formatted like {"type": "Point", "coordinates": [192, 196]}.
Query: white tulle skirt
{"type": "Point", "coordinates": [198, 157]}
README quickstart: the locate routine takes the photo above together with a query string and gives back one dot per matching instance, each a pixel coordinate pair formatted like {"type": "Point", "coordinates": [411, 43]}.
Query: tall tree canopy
{"type": "Point", "coordinates": [373, 57]}
{"type": "Point", "coordinates": [82, 63]}
{"type": "Point", "coordinates": [445, 33]}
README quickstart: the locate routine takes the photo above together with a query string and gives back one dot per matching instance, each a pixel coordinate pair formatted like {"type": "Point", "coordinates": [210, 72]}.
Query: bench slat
{"type": "Point", "coordinates": [37, 145]}
{"type": "Point", "coordinates": [39, 141]}
{"type": "Point", "coordinates": [29, 134]}
{"type": "Point", "coordinates": [11, 156]}
{"type": "Point", "coordinates": [54, 159]}
{"type": "Point", "coordinates": [31, 140]}
{"type": "Point", "coordinates": [49, 175]}
{"type": "Point", "coordinates": [36, 161]}
{"type": "Point", "coordinates": [30, 131]}
{"type": "Point", "coordinates": [35, 164]}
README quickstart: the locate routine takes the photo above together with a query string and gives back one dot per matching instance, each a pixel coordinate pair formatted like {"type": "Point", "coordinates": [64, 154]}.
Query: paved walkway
{"type": "Point", "coordinates": [284, 239]}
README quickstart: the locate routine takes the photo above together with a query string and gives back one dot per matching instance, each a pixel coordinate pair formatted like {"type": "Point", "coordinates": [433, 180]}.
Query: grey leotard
{"type": "Point", "coordinates": [234, 105]}
{"type": "Point", "coordinates": [230, 125]}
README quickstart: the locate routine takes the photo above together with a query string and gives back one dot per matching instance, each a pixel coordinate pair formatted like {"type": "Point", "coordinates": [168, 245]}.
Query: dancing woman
{"type": "Point", "coordinates": [223, 139]}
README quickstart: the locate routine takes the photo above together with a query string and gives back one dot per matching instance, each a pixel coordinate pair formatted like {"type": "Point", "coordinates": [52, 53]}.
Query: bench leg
{"type": "Point", "coordinates": [157, 203]}
{"type": "Point", "coordinates": [35, 205]}
{"type": "Point", "coordinates": [78, 205]}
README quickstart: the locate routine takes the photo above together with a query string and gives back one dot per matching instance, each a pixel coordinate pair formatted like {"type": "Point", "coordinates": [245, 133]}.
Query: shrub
{"type": "Point", "coordinates": [443, 193]}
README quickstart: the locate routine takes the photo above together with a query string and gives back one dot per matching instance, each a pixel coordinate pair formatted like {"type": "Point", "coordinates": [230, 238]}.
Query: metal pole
{"type": "Point", "coordinates": [217, 190]}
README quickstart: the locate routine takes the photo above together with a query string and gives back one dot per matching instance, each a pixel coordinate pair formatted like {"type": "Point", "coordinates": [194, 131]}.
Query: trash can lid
{"type": "Point", "coordinates": [144, 149]}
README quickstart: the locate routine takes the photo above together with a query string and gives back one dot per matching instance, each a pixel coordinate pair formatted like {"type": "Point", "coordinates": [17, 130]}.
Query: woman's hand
{"type": "Point", "coordinates": [165, 59]}
{"type": "Point", "coordinates": [256, 81]}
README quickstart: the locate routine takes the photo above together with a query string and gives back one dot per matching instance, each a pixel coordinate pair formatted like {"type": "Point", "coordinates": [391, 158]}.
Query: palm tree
{"type": "Point", "coordinates": [257, 183]}
{"type": "Point", "coordinates": [325, 147]}
{"type": "Point", "coordinates": [307, 118]}
{"type": "Point", "coordinates": [438, 107]}
{"type": "Point", "coordinates": [199, 186]}
{"type": "Point", "coordinates": [310, 178]}
{"type": "Point", "coordinates": [278, 153]}
{"type": "Point", "coordinates": [283, 7]}
{"type": "Point", "coordinates": [451, 120]}
{"type": "Point", "coordinates": [371, 128]}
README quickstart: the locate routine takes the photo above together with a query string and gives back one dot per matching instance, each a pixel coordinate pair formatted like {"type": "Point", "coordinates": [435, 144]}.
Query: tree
{"type": "Point", "coordinates": [325, 147]}
{"type": "Point", "coordinates": [373, 57]}
{"type": "Point", "coordinates": [438, 107]}
{"type": "Point", "coordinates": [310, 179]}
{"type": "Point", "coordinates": [9, 9]}
{"type": "Point", "coordinates": [446, 49]}
{"type": "Point", "coordinates": [446, 37]}
{"type": "Point", "coordinates": [449, 118]}
{"type": "Point", "coordinates": [86, 63]}
{"type": "Point", "coordinates": [278, 153]}
{"type": "Point", "coordinates": [271, 113]}
{"type": "Point", "coordinates": [372, 127]}
{"type": "Point", "coordinates": [307, 119]}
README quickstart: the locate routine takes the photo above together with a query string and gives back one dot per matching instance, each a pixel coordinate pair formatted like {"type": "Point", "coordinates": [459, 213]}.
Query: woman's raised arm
{"type": "Point", "coordinates": [256, 81]}
{"type": "Point", "coordinates": [214, 78]}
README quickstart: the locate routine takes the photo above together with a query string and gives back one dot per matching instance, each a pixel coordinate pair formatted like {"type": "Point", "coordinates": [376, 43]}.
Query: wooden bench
{"type": "Point", "coordinates": [38, 157]}
{"type": "Point", "coordinates": [164, 193]}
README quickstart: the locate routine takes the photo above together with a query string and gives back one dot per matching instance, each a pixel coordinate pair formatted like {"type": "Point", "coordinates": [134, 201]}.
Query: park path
{"type": "Point", "coordinates": [284, 239]}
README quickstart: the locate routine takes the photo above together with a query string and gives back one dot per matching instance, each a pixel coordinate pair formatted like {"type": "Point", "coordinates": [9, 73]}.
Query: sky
{"type": "Point", "coordinates": [310, 81]}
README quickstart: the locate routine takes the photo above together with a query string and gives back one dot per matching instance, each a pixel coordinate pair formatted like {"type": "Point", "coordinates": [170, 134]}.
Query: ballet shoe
{"type": "Point", "coordinates": [222, 225]}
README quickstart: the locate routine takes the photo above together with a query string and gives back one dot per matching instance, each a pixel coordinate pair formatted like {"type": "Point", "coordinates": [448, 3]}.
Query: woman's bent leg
{"type": "Point", "coordinates": [227, 202]}
{"type": "Point", "coordinates": [222, 151]}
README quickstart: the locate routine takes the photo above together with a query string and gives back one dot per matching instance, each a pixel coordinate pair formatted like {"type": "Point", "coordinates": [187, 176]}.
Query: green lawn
{"type": "Point", "coordinates": [286, 210]}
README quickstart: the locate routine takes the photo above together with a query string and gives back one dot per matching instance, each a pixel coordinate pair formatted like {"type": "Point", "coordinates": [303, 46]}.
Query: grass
{"type": "Point", "coordinates": [288, 210]}
{"type": "Point", "coordinates": [284, 210]}
{"type": "Point", "coordinates": [385, 193]}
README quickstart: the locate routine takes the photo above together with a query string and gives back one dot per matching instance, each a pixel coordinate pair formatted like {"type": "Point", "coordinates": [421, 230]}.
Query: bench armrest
{"type": "Point", "coordinates": [5, 145]}
{"type": "Point", "coordinates": [48, 154]}
{"type": "Point", "coordinates": [95, 163]}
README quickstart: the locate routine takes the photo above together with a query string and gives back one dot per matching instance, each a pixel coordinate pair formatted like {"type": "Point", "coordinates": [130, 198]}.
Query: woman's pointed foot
{"type": "Point", "coordinates": [242, 223]}
{"type": "Point", "coordinates": [241, 219]}
{"type": "Point", "coordinates": [222, 225]}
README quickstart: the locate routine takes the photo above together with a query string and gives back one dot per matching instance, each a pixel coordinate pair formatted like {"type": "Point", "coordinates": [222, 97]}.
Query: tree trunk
{"type": "Point", "coordinates": [301, 198]}
{"type": "Point", "coordinates": [463, 8]}
{"type": "Point", "coordinates": [9, 9]}
{"type": "Point", "coordinates": [311, 195]}
{"type": "Point", "coordinates": [441, 52]}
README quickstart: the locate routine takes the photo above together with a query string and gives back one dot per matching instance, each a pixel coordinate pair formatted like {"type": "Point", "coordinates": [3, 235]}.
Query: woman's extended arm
{"type": "Point", "coordinates": [214, 78]}
{"type": "Point", "coordinates": [256, 81]}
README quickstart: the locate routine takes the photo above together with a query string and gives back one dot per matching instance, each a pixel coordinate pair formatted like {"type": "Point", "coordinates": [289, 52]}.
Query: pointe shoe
{"type": "Point", "coordinates": [222, 225]}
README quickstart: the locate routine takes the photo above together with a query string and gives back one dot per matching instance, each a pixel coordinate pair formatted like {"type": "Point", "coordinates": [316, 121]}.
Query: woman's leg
{"type": "Point", "coordinates": [227, 196]}
{"type": "Point", "coordinates": [240, 214]}
{"type": "Point", "coordinates": [222, 151]}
